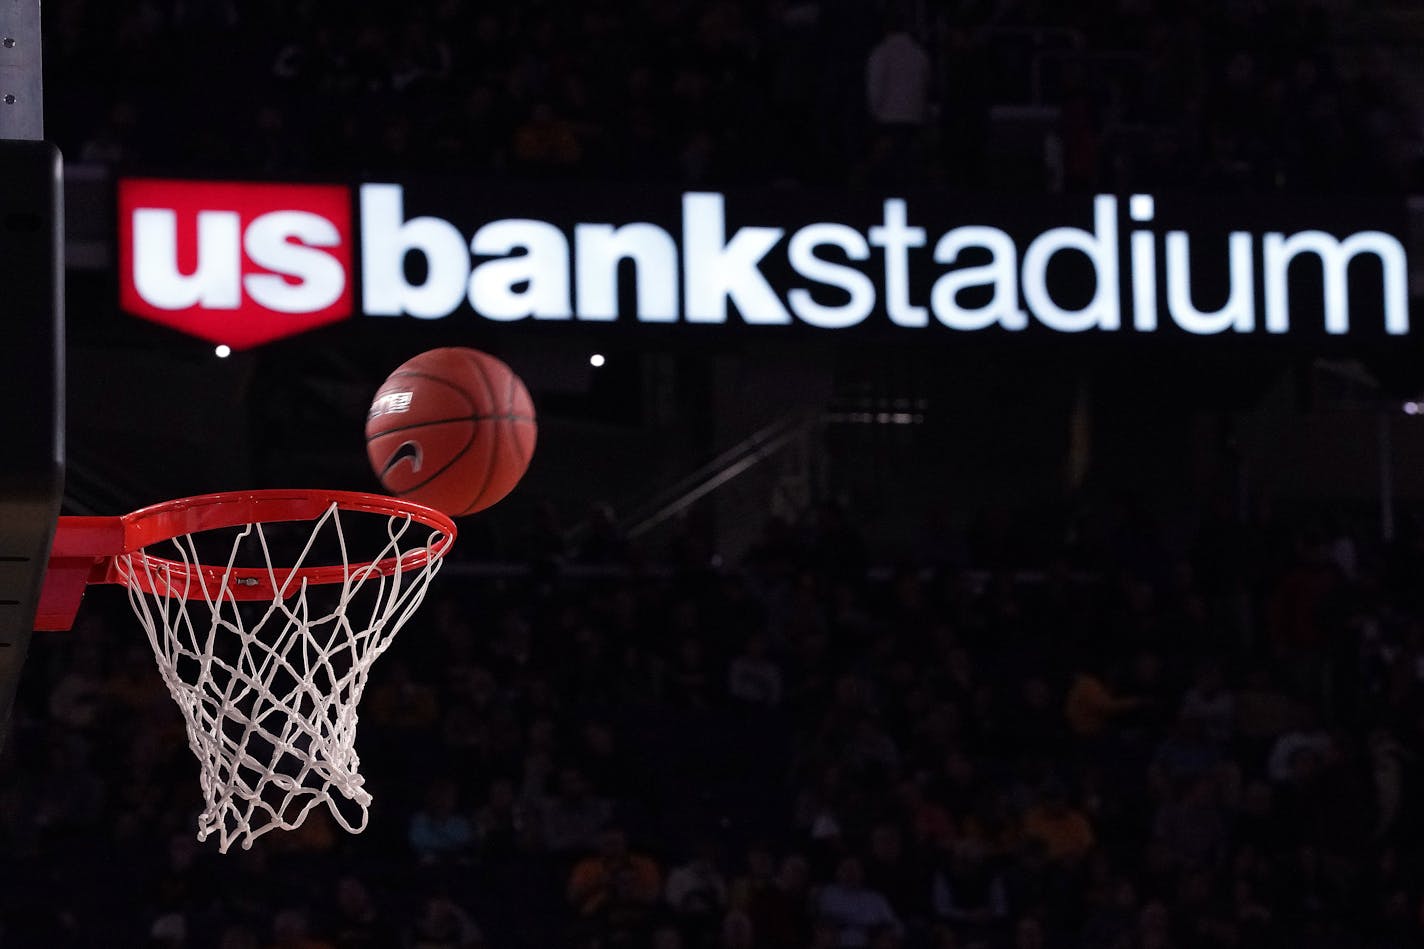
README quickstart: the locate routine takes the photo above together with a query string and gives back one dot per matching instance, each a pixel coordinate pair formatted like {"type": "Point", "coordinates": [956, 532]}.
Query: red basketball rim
{"type": "Point", "coordinates": [172, 519]}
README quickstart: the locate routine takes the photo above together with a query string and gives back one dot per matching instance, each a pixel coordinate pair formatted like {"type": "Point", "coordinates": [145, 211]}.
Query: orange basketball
{"type": "Point", "coordinates": [452, 429]}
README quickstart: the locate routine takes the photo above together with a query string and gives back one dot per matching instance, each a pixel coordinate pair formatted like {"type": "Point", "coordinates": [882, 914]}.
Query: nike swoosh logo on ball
{"type": "Point", "coordinates": [407, 450]}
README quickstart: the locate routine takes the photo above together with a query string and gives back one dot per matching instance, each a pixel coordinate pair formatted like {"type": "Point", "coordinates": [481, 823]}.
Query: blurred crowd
{"type": "Point", "coordinates": [1112, 745]}
{"type": "Point", "coordinates": [1117, 747]}
{"type": "Point", "coordinates": [957, 94]}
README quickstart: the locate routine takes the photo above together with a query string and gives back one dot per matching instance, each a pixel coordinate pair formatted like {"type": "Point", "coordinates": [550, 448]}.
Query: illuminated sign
{"type": "Point", "coordinates": [235, 263]}
{"type": "Point", "coordinates": [242, 264]}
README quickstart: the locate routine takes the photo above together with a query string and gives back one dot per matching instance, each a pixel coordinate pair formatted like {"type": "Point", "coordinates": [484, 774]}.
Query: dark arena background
{"type": "Point", "coordinates": [979, 494]}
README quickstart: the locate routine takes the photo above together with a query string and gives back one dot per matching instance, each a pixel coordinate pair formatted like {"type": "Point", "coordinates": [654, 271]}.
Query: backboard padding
{"type": "Point", "coordinates": [31, 391]}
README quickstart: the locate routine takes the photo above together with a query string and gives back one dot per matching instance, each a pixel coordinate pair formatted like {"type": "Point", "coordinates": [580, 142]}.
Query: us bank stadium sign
{"type": "Point", "coordinates": [245, 263]}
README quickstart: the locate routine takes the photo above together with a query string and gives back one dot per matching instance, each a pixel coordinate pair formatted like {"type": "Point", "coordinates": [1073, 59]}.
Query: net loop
{"type": "Point", "coordinates": [269, 686]}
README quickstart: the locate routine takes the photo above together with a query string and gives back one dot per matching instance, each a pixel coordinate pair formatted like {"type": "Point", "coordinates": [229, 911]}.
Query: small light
{"type": "Point", "coordinates": [1411, 408]}
{"type": "Point", "coordinates": [596, 360]}
{"type": "Point", "coordinates": [223, 351]}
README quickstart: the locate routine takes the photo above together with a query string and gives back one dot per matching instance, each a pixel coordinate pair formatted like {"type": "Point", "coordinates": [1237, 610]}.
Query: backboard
{"type": "Point", "coordinates": [31, 390]}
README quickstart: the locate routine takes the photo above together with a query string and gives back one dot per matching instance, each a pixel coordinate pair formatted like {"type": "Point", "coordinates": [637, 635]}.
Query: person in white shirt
{"type": "Point", "coordinates": [897, 79]}
{"type": "Point", "coordinates": [696, 890]}
{"type": "Point", "coordinates": [854, 909]}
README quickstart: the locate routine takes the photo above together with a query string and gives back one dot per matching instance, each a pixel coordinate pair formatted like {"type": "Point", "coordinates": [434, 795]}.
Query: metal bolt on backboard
{"type": "Point", "coordinates": [21, 71]}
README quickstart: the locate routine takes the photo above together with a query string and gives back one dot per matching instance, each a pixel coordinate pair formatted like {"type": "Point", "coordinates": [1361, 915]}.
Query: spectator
{"type": "Point", "coordinates": [573, 818]}
{"type": "Point", "coordinates": [1209, 702]}
{"type": "Point", "coordinates": [779, 907]}
{"type": "Point", "coordinates": [1061, 829]}
{"type": "Point", "coordinates": [502, 826]}
{"type": "Point", "coordinates": [1185, 754]}
{"type": "Point", "coordinates": [546, 140]}
{"type": "Point", "coordinates": [898, 78]}
{"type": "Point", "coordinates": [1028, 934]}
{"type": "Point", "coordinates": [440, 832]}
{"type": "Point", "coordinates": [697, 890]}
{"type": "Point", "coordinates": [613, 874]}
{"type": "Point", "coordinates": [169, 931]}
{"type": "Point", "coordinates": [753, 677]}
{"type": "Point", "coordinates": [1154, 928]}
{"type": "Point", "coordinates": [1263, 710]}
{"type": "Point", "coordinates": [855, 911]}
{"type": "Point", "coordinates": [402, 703]}
{"type": "Point", "coordinates": [1112, 913]}
{"type": "Point", "coordinates": [1031, 721]}
{"type": "Point", "coordinates": [291, 930]}
{"type": "Point", "coordinates": [1391, 761]}
{"type": "Point", "coordinates": [1299, 751]}
{"type": "Point", "coordinates": [625, 914]}
{"type": "Point", "coordinates": [738, 932]}
{"type": "Point", "coordinates": [1091, 706]}
{"type": "Point", "coordinates": [895, 871]}
{"type": "Point", "coordinates": [1188, 832]}
{"type": "Point", "coordinates": [444, 925]}
{"type": "Point", "coordinates": [758, 875]}
{"type": "Point", "coordinates": [969, 894]}
{"type": "Point", "coordinates": [358, 922]}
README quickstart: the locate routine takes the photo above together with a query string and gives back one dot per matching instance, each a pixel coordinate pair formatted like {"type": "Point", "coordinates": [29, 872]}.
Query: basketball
{"type": "Point", "coordinates": [452, 429]}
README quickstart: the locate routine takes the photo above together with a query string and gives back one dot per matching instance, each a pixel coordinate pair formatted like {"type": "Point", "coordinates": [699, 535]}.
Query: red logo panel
{"type": "Point", "coordinates": [235, 263]}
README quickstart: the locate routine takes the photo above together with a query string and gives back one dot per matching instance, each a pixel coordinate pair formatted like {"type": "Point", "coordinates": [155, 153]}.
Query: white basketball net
{"type": "Point", "coordinates": [269, 690]}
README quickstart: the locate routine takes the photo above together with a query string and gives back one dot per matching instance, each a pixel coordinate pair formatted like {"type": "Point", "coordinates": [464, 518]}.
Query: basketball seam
{"type": "Point", "coordinates": [514, 431]}
{"type": "Point", "coordinates": [443, 421]}
{"type": "Point", "coordinates": [489, 468]}
{"type": "Point", "coordinates": [509, 429]}
{"type": "Point", "coordinates": [443, 468]}
{"type": "Point", "coordinates": [509, 404]}
{"type": "Point", "coordinates": [506, 433]}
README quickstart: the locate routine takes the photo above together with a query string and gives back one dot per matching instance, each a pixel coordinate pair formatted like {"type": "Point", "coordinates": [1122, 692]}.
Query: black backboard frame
{"type": "Point", "coordinates": [32, 346]}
